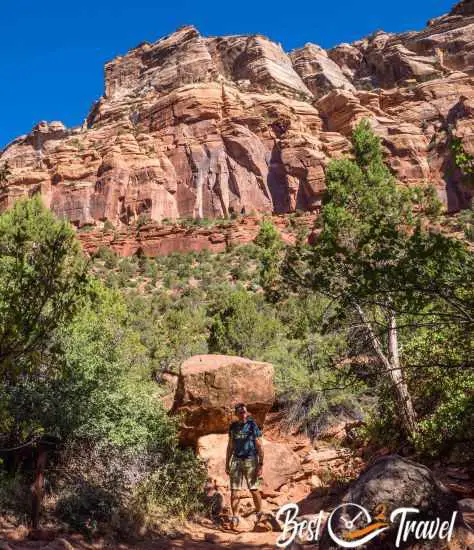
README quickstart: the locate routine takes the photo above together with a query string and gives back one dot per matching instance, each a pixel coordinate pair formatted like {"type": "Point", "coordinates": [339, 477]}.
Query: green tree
{"type": "Point", "coordinates": [42, 279]}
{"type": "Point", "coordinates": [270, 244]}
{"type": "Point", "coordinates": [241, 324]}
{"type": "Point", "coordinates": [170, 331]}
{"type": "Point", "coordinates": [99, 400]}
{"type": "Point", "coordinates": [377, 260]}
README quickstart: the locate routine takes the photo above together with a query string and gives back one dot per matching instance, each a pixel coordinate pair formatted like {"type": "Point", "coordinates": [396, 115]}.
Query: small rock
{"type": "Point", "coordinates": [316, 482]}
{"type": "Point", "coordinates": [466, 505]}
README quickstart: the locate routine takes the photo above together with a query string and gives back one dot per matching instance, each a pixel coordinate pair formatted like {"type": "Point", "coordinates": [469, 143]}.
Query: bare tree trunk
{"type": "Point", "coordinates": [396, 373]}
{"type": "Point", "coordinates": [393, 369]}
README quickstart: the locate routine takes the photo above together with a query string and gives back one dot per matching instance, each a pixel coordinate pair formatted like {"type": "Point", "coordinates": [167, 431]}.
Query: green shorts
{"type": "Point", "coordinates": [244, 470]}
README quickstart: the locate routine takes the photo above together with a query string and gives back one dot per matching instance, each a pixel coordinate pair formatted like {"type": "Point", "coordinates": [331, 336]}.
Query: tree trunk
{"type": "Point", "coordinates": [37, 488]}
{"type": "Point", "coordinates": [397, 376]}
{"type": "Point", "coordinates": [393, 369]}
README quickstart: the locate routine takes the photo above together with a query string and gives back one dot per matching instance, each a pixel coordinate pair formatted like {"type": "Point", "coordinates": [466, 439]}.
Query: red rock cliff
{"type": "Point", "coordinates": [191, 126]}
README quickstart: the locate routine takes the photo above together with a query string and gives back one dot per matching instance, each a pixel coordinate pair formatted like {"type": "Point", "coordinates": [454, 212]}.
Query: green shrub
{"type": "Point", "coordinates": [108, 226]}
{"type": "Point", "coordinates": [142, 220]}
{"type": "Point", "coordinates": [466, 221]}
{"type": "Point", "coordinates": [126, 268]}
{"type": "Point", "coordinates": [109, 256]}
{"type": "Point", "coordinates": [241, 324]}
{"type": "Point", "coordinates": [450, 419]}
{"type": "Point", "coordinates": [100, 401]}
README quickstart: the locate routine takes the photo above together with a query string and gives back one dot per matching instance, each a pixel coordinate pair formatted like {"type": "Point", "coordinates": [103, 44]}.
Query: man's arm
{"type": "Point", "coordinates": [259, 445]}
{"type": "Point", "coordinates": [230, 448]}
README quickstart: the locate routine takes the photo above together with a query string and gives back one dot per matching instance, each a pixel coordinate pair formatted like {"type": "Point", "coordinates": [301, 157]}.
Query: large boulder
{"type": "Point", "coordinates": [393, 482]}
{"type": "Point", "coordinates": [210, 385]}
{"type": "Point", "coordinates": [280, 463]}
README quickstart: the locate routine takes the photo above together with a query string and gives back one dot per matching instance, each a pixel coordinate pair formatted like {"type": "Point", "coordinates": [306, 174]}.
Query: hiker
{"type": "Point", "coordinates": [244, 461]}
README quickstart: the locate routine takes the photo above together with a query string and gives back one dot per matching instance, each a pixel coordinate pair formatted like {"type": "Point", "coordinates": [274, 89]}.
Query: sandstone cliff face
{"type": "Point", "coordinates": [206, 127]}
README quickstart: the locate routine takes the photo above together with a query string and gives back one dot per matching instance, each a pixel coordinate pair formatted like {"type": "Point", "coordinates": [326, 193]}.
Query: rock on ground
{"type": "Point", "coordinates": [395, 482]}
{"type": "Point", "coordinates": [209, 386]}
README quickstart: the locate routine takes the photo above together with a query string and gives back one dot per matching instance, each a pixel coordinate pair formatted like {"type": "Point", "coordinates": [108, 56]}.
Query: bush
{"type": "Point", "coordinates": [107, 488]}
{"type": "Point", "coordinates": [99, 400]}
{"type": "Point", "coordinates": [241, 324]}
{"type": "Point", "coordinates": [109, 256]}
{"type": "Point", "coordinates": [450, 420]}
{"type": "Point", "coordinates": [175, 488]}
{"type": "Point", "coordinates": [15, 495]}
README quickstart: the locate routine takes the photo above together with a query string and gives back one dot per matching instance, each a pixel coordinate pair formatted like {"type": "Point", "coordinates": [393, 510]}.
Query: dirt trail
{"type": "Point", "coordinates": [318, 486]}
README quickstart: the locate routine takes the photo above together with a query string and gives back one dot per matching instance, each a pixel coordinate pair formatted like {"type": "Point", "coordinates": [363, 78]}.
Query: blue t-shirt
{"type": "Point", "coordinates": [243, 437]}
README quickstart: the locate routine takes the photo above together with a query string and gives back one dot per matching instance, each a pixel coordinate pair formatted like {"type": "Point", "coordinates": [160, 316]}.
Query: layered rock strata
{"type": "Point", "coordinates": [197, 127]}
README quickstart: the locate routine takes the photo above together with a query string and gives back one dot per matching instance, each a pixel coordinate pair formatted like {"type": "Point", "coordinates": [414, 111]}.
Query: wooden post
{"type": "Point", "coordinates": [37, 488]}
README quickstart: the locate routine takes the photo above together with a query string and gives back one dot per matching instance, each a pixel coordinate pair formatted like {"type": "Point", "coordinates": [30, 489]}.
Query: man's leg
{"type": "Point", "coordinates": [253, 482]}
{"type": "Point", "coordinates": [236, 479]}
{"type": "Point", "coordinates": [234, 502]}
{"type": "Point", "coordinates": [257, 500]}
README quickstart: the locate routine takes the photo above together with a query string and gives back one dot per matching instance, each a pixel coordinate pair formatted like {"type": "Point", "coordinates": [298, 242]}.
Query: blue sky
{"type": "Point", "coordinates": [52, 52]}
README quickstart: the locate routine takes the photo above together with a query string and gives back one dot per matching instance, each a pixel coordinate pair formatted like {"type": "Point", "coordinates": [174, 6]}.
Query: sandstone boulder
{"type": "Point", "coordinates": [209, 386]}
{"type": "Point", "coordinates": [280, 464]}
{"type": "Point", "coordinates": [394, 482]}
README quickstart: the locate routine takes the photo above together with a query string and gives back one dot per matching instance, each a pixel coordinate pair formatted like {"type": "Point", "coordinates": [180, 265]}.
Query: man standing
{"type": "Point", "coordinates": [244, 461]}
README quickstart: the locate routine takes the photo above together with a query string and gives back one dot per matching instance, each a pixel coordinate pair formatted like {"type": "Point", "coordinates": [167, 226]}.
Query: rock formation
{"type": "Point", "coordinates": [196, 127]}
{"type": "Point", "coordinates": [209, 386]}
{"type": "Point", "coordinates": [395, 482]}
{"type": "Point", "coordinates": [154, 239]}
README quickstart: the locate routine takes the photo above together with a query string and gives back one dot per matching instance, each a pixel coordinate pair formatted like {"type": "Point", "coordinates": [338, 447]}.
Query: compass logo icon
{"type": "Point", "coordinates": [354, 525]}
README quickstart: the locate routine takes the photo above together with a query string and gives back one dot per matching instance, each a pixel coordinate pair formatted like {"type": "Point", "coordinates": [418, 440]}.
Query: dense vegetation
{"type": "Point", "coordinates": [74, 369]}
{"type": "Point", "coordinates": [371, 322]}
